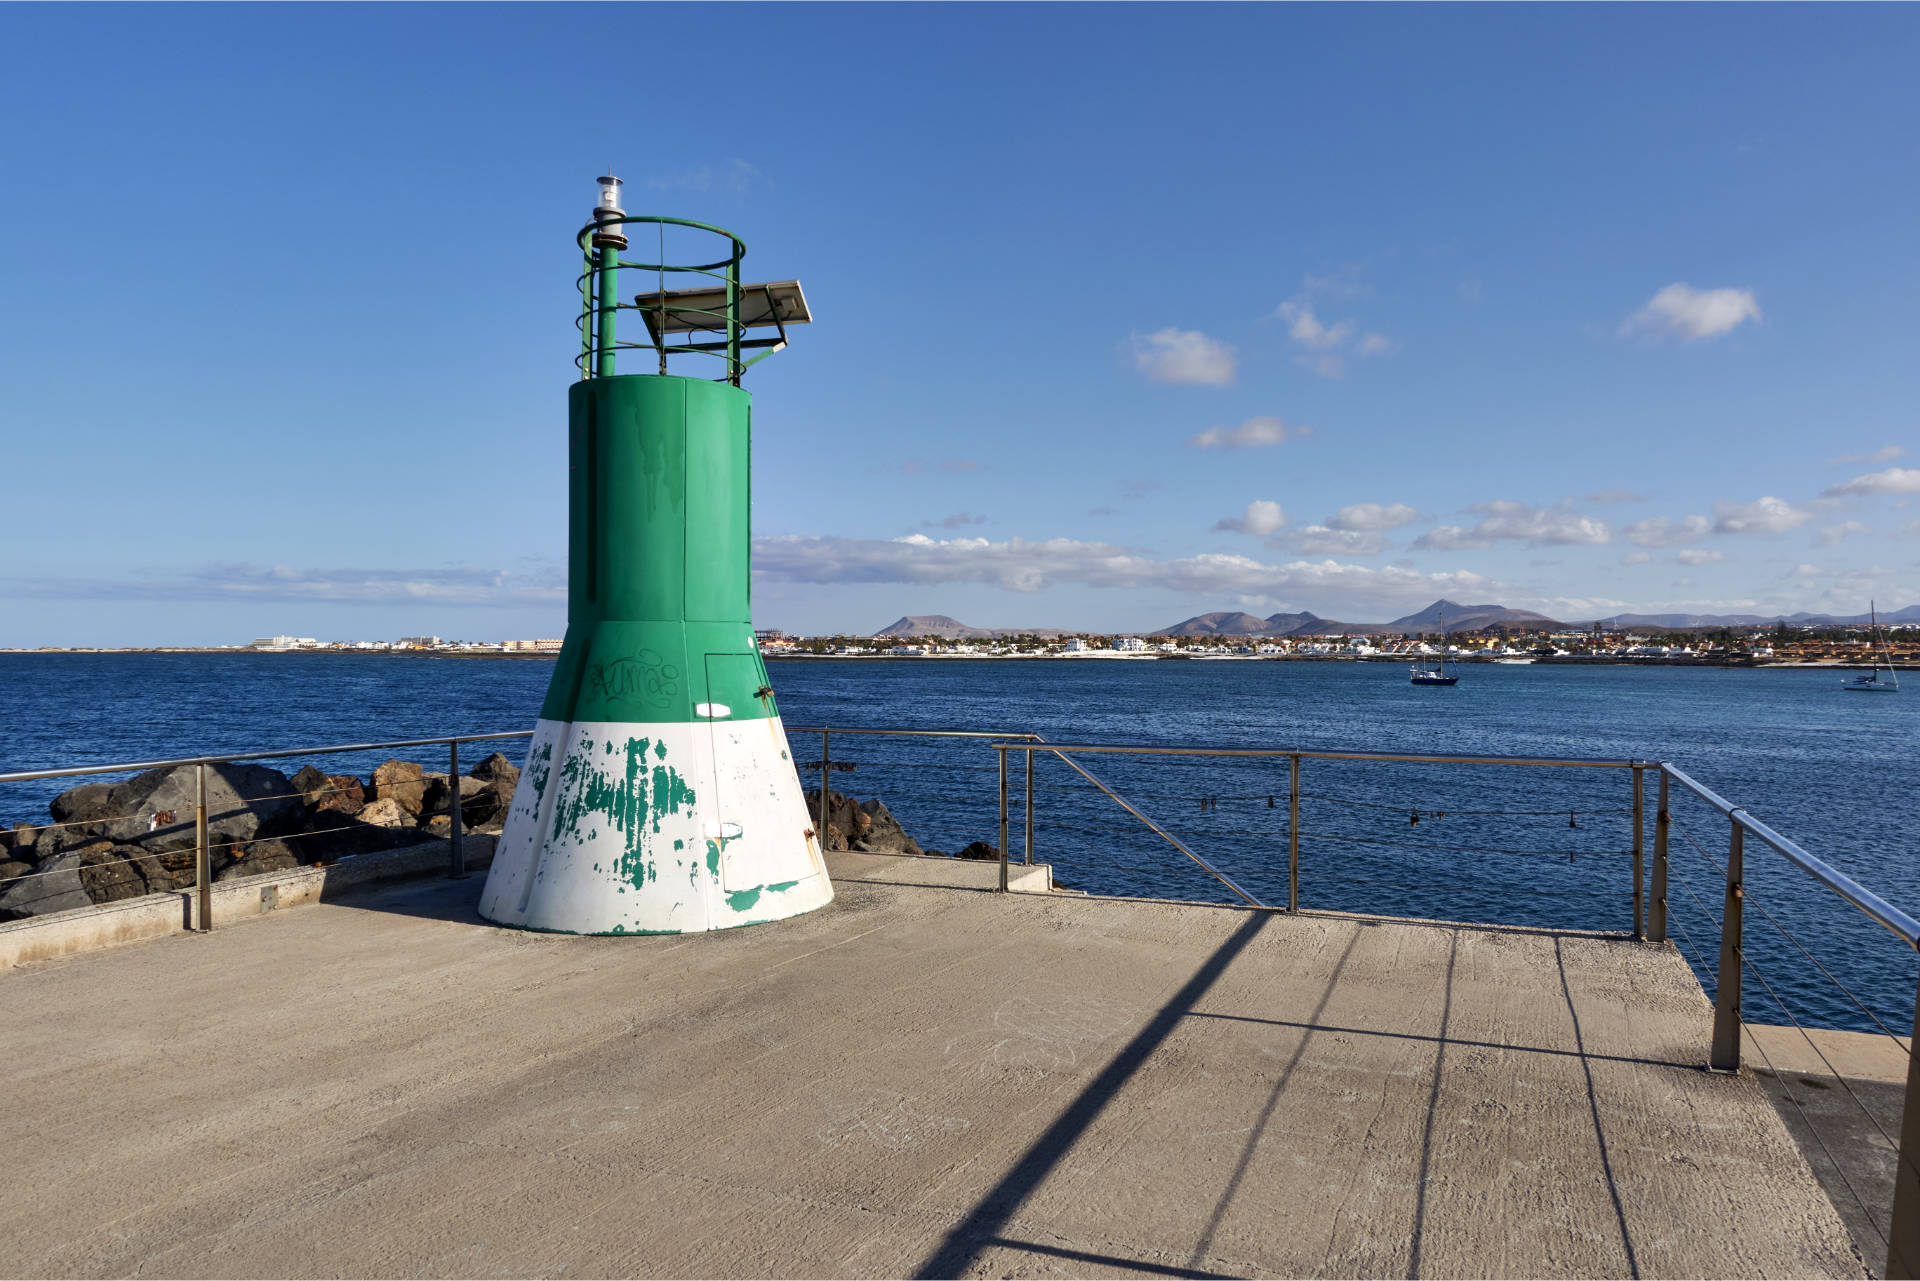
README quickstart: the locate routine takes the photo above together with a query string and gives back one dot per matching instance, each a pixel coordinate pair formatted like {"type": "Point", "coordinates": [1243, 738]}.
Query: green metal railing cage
{"type": "Point", "coordinates": [714, 310]}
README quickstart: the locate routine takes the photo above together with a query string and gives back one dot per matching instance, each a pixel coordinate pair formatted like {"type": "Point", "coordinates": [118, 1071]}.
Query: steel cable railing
{"type": "Point", "coordinates": [1743, 957]}
{"type": "Point", "coordinates": [207, 842]}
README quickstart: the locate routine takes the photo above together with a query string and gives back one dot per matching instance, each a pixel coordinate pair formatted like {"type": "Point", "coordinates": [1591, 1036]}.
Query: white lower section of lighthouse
{"type": "Point", "coordinates": [621, 827]}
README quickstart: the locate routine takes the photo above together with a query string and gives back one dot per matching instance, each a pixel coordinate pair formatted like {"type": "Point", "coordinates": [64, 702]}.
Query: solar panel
{"type": "Point", "coordinates": [680, 311]}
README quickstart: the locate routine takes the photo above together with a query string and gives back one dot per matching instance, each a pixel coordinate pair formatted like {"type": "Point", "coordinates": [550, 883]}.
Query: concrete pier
{"type": "Point", "coordinates": [920, 1079]}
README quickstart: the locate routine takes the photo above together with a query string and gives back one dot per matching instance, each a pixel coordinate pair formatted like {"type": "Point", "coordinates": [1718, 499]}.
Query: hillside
{"type": "Point", "coordinates": [1451, 616]}
{"type": "Point", "coordinates": [953, 629]}
{"type": "Point", "coordinates": [1457, 618]}
{"type": "Point", "coordinates": [1225, 623]}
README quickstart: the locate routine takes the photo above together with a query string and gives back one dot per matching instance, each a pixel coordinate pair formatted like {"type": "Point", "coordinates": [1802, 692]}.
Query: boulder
{"type": "Point", "coordinates": [502, 778]}
{"type": "Point", "coordinates": [12, 868]}
{"type": "Point", "coordinates": [497, 768]}
{"type": "Point", "coordinates": [981, 850]}
{"type": "Point", "coordinates": [386, 812]}
{"type": "Point", "coordinates": [110, 872]}
{"type": "Point", "coordinates": [156, 809]}
{"type": "Point", "coordinates": [400, 782]}
{"type": "Point", "coordinates": [54, 886]}
{"type": "Point", "coordinates": [24, 848]}
{"type": "Point", "coordinates": [312, 784]}
{"type": "Point", "coordinates": [271, 855]}
{"type": "Point", "coordinates": [84, 803]}
{"type": "Point", "coordinates": [845, 821]}
{"type": "Point", "coordinates": [855, 825]}
{"type": "Point", "coordinates": [883, 834]}
{"type": "Point", "coordinates": [330, 835]}
{"type": "Point", "coordinates": [478, 803]}
{"type": "Point", "coordinates": [343, 794]}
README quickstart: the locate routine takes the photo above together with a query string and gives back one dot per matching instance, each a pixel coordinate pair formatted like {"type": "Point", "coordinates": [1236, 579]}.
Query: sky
{"type": "Point", "coordinates": [1122, 314]}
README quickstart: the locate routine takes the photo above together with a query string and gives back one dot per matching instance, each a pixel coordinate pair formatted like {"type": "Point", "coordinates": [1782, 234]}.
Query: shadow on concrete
{"type": "Point", "coordinates": [1478, 1045]}
{"type": "Point", "coordinates": [983, 1224]}
{"type": "Point", "coordinates": [1105, 1260]}
{"type": "Point", "coordinates": [1593, 1101]}
{"type": "Point", "coordinates": [1844, 1134]}
{"type": "Point", "coordinates": [1273, 1100]}
{"type": "Point", "coordinates": [436, 898]}
{"type": "Point", "coordinates": [1433, 1111]}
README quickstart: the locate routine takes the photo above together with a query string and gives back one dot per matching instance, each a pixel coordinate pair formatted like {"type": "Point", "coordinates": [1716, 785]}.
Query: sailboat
{"type": "Point", "coordinates": [1434, 673]}
{"type": "Point", "coordinates": [1874, 682]}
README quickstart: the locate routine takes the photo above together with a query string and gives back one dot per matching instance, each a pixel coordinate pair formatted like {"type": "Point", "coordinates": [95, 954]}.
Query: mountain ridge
{"type": "Point", "coordinates": [1443, 614]}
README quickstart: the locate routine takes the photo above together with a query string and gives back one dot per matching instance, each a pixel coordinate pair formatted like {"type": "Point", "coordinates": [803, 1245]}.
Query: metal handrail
{"type": "Point", "coordinates": [1308, 754]}
{"type": "Point", "coordinates": [911, 733]}
{"type": "Point", "coordinates": [1036, 743]}
{"type": "Point", "coordinates": [24, 776]}
{"type": "Point", "coordinates": [1877, 909]}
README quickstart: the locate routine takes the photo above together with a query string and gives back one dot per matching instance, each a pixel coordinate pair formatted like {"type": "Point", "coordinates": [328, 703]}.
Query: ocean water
{"type": "Point", "coordinates": [1522, 846]}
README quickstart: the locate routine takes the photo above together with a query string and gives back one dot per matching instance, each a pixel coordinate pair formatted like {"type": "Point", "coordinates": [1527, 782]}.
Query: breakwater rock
{"type": "Point", "coordinates": [111, 841]}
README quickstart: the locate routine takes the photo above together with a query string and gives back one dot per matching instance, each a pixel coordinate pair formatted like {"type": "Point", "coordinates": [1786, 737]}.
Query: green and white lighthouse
{"type": "Point", "coordinates": [659, 795]}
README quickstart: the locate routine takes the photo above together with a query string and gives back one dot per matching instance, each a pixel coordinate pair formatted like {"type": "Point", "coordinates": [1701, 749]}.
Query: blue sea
{"type": "Point", "coordinates": [1523, 846]}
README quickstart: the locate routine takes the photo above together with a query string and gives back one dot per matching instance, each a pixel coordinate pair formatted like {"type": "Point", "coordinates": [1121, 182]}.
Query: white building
{"type": "Point", "coordinates": [1074, 646]}
{"type": "Point", "coordinates": [1129, 644]}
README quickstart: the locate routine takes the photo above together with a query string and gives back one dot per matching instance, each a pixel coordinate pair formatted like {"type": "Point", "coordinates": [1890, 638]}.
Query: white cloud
{"type": "Point", "coordinates": [1373, 517]}
{"type": "Point", "coordinates": [1326, 345]}
{"type": "Point", "coordinates": [1255, 433]}
{"type": "Point", "coordinates": [1027, 566]}
{"type": "Point", "coordinates": [1682, 312]}
{"type": "Point", "coordinates": [1558, 525]}
{"type": "Point", "coordinates": [1323, 540]}
{"type": "Point", "coordinates": [1884, 454]}
{"type": "Point", "coordinates": [1698, 556]}
{"type": "Point", "coordinates": [1658, 531]}
{"type": "Point", "coordinates": [1307, 329]}
{"type": "Point", "coordinates": [1766, 515]}
{"type": "Point", "coordinates": [1184, 356]}
{"type": "Point", "coordinates": [1894, 480]}
{"type": "Point", "coordinates": [546, 584]}
{"type": "Point", "coordinates": [1262, 517]}
{"type": "Point", "coordinates": [1636, 558]}
{"type": "Point", "coordinates": [1845, 529]}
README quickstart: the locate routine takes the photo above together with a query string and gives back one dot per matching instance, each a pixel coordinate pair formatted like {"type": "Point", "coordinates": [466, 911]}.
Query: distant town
{"type": "Point", "coordinates": [1780, 646]}
{"type": "Point", "coordinates": [1780, 643]}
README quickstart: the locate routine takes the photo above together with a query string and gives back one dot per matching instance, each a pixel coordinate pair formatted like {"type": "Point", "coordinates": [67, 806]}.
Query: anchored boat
{"type": "Point", "coordinates": [1435, 673]}
{"type": "Point", "coordinates": [1874, 682]}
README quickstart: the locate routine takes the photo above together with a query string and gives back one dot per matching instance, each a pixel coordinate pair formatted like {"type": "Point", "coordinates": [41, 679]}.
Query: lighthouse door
{"type": "Point", "coordinates": [751, 781]}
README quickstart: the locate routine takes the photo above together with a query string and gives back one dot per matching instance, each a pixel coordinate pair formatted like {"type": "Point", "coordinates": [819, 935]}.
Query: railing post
{"type": "Point", "coordinates": [456, 846]}
{"type": "Point", "coordinates": [826, 771]}
{"type": "Point", "coordinates": [1028, 811]}
{"type": "Point", "coordinates": [1657, 918]}
{"type": "Point", "coordinates": [1903, 1240]}
{"type": "Point", "coordinates": [1639, 855]}
{"type": "Point", "coordinates": [1003, 817]}
{"type": "Point", "coordinates": [1726, 986]}
{"type": "Point", "coordinates": [1293, 834]}
{"type": "Point", "coordinates": [202, 853]}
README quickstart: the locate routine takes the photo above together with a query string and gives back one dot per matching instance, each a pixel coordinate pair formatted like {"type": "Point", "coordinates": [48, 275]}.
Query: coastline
{"type": "Point", "coordinates": [1561, 660]}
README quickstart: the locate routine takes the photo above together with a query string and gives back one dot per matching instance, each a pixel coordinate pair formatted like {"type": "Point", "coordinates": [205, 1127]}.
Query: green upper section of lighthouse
{"type": "Point", "coordinates": [659, 615]}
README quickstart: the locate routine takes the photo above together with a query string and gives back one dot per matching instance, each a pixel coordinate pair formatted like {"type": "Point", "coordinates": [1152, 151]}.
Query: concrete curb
{"type": "Point", "coordinates": [84, 929]}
